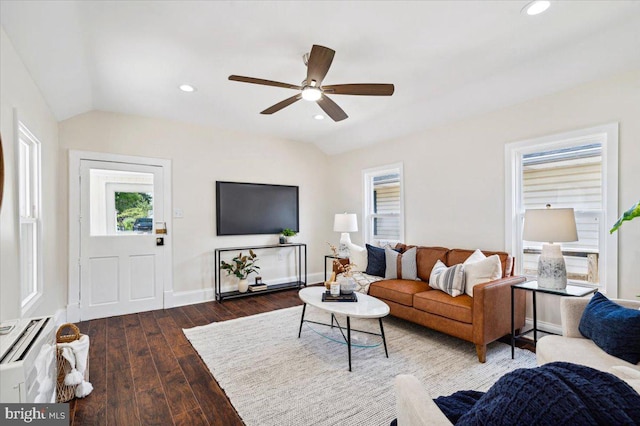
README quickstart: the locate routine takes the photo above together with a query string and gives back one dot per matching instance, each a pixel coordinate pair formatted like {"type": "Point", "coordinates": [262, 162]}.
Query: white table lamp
{"type": "Point", "coordinates": [550, 226]}
{"type": "Point", "coordinates": [345, 223]}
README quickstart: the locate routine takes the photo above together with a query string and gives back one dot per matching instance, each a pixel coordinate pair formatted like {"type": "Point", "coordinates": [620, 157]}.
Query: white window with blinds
{"type": "Point", "coordinates": [383, 207]}
{"type": "Point", "coordinates": [573, 170]}
{"type": "Point", "coordinates": [29, 187]}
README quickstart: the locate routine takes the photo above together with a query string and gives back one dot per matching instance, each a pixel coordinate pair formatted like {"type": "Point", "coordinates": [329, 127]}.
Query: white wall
{"type": "Point", "coordinates": [454, 174]}
{"type": "Point", "coordinates": [200, 156]}
{"type": "Point", "coordinates": [17, 90]}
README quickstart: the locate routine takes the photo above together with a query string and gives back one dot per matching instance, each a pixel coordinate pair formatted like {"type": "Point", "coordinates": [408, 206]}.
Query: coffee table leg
{"type": "Point", "coordinates": [349, 339]}
{"type": "Point", "coordinates": [304, 307]}
{"type": "Point", "coordinates": [383, 339]}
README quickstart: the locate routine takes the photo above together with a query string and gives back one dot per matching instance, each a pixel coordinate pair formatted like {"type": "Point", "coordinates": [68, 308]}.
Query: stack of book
{"type": "Point", "coordinates": [257, 287]}
{"type": "Point", "coordinates": [328, 297]}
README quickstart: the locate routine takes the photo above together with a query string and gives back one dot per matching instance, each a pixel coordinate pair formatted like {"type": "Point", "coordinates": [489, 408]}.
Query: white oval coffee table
{"type": "Point", "coordinates": [366, 307]}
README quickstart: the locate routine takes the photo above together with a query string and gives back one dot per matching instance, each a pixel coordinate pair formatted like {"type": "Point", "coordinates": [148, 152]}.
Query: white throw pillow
{"type": "Point", "coordinates": [358, 255]}
{"type": "Point", "coordinates": [448, 279]}
{"type": "Point", "coordinates": [481, 271]}
{"type": "Point", "coordinates": [477, 256]}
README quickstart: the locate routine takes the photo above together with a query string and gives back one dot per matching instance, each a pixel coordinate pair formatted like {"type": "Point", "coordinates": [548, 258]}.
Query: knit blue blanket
{"type": "Point", "coordinates": [559, 393]}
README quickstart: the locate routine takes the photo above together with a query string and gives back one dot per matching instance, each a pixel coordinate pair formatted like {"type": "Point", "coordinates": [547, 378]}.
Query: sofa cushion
{"type": "Point", "coordinates": [448, 279]}
{"type": "Point", "coordinates": [440, 303]}
{"type": "Point", "coordinates": [400, 266]}
{"type": "Point", "coordinates": [577, 350]}
{"type": "Point", "coordinates": [612, 327]}
{"type": "Point", "coordinates": [426, 258]}
{"type": "Point", "coordinates": [480, 271]}
{"type": "Point", "coordinates": [456, 256]}
{"type": "Point", "coordinates": [399, 291]}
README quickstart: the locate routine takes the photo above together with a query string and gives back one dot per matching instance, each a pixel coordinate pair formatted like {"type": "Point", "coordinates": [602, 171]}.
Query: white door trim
{"type": "Point", "coordinates": [75, 157]}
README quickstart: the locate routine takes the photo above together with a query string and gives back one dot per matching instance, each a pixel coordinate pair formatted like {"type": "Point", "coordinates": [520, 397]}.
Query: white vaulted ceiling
{"type": "Point", "coordinates": [447, 59]}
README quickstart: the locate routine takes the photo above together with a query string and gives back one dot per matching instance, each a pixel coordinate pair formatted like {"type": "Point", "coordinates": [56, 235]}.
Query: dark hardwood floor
{"type": "Point", "coordinates": [145, 372]}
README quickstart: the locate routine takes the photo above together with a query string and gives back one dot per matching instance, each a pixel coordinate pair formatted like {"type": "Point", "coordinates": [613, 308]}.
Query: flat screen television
{"type": "Point", "coordinates": [255, 208]}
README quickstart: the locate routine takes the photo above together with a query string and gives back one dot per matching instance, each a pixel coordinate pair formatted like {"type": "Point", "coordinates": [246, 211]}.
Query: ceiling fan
{"type": "Point", "coordinates": [311, 89]}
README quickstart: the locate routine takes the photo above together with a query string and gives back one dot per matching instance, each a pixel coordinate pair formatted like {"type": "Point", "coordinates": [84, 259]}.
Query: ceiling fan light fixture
{"type": "Point", "coordinates": [536, 7]}
{"type": "Point", "coordinates": [187, 88]}
{"type": "Point", "coordinates": [318, 117]}
{"type": "Point", "coordinates": [311, 93]}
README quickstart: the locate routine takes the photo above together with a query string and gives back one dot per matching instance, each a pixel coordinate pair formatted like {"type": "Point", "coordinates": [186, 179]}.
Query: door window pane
{"type": "Point", "coordinates": [121, 202]}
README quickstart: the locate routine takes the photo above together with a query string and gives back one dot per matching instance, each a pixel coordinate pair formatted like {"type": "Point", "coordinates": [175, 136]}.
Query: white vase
{"type": "Point", "coordinates": [243, 286]}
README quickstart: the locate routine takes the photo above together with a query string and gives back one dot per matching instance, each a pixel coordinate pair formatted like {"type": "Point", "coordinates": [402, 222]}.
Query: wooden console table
{"type": "Point", "coordinates": [301, 280]}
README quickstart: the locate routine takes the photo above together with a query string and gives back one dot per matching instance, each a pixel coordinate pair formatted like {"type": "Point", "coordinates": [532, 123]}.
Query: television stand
{"type": "Point", "coordinates": [301, 251]}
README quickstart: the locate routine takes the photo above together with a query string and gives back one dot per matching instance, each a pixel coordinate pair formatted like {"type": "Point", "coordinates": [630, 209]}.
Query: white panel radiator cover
{"type": "Point", "coordinates": [20, 350]}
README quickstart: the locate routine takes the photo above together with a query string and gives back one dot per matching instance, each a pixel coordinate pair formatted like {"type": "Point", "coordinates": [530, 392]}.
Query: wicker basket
{"type": "Point", "coordinates": [64, 392]}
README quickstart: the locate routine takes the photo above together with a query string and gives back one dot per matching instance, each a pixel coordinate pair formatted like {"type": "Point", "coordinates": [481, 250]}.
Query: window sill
{"type": "Point", "coordinates": [30, 306]}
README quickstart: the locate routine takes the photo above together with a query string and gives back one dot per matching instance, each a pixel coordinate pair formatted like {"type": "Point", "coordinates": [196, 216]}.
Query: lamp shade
{"type": "Point", "coordinates": [550, 225]}
{"type": "Point", "coordinates": [345, 222]}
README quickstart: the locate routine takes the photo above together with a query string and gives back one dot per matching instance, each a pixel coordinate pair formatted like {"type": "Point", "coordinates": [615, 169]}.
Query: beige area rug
{"type": "Point", "coordinates": [274, 378]}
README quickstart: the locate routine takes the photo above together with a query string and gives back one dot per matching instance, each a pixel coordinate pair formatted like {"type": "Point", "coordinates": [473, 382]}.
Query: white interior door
{"type": "Point", "coordinates": [121, 265]}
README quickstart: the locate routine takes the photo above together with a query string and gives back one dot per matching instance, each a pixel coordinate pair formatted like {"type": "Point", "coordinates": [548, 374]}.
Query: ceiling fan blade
{"type": "Point", "coordinates": [277, 107]}
{"type": "Point", "coordinates": [263, 82]}
{"type": "Point", "coordinates": [360, 89]}
{"type": "Point", "coordinates": [318, 64]}
{"type": "Point", "coordinates": [331, 108]}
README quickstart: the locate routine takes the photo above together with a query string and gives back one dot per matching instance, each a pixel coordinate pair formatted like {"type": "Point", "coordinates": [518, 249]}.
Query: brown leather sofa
{"type": "Point", "coordinates": [480, 319]}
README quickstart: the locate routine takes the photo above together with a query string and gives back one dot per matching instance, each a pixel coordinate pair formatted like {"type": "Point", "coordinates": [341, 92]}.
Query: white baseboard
{"type": "Point", "coordinates": [544, 326]}
{"type": "Point", "coordinates": [73, 313]}
{"type": "Point", "coordinates": [183, 298]}
{"type": "Point", "coordinates": [315, 278]}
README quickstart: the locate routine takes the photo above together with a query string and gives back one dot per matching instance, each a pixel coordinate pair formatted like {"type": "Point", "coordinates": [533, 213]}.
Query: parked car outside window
{"type": "Point", "coordinates": [143, 224]}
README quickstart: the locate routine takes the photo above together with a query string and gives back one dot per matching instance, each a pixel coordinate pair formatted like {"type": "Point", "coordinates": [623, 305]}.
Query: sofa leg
{"type": "Point", "coordinates": [482, 353]}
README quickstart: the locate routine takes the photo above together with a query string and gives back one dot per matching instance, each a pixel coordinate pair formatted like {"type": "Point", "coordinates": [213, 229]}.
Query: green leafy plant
{"type": "Point", "coordinates": [630, 214]}
{"type": "Point", "coordinates": [241, 266]}
{"type": "Point", "coordinates": [289, 232]}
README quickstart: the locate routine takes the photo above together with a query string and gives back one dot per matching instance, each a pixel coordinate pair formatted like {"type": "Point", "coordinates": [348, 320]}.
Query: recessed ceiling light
{"type": "Point", "coordinates": [187, 88]}
{"type": "Point", "coordinates": [319, 117]}
{"type": "Point", "coordinates": [536, 7]}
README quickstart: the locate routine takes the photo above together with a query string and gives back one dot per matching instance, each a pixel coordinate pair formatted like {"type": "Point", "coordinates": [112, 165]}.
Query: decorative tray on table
{"type": "Point", "coordinates": [328, 297]}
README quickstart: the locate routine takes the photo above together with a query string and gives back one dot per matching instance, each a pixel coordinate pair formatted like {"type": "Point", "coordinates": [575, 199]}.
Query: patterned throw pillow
{"type": "Point", "coordinates": [363, 281]}
{"type": "Point", "coordinates": [448, 279]}
{"type": "Point", "coordinates": [401, 266]}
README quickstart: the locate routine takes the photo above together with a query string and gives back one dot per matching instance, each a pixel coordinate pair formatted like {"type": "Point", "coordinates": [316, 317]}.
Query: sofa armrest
{"type": "Point", "coordinates": [492, 309]}
{"type": "Point", "coordinates": [571, 309]}
{"type": "Point", "coordinates": [414, 406]}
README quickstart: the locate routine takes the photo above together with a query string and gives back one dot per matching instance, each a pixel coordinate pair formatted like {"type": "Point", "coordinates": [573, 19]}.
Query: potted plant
{"type": "Point", "coordinates": [241, 266]}
{"type": "Point", "coordinates": [632, 213]}
{"type": "Point", "coordinates": [288, 233]}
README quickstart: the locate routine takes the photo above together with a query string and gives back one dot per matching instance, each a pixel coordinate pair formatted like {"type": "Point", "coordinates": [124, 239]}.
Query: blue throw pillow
{"type": "Point", "coordinates": [614, 328]}
{"type": "Point", "coordinates": [376, 263]}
